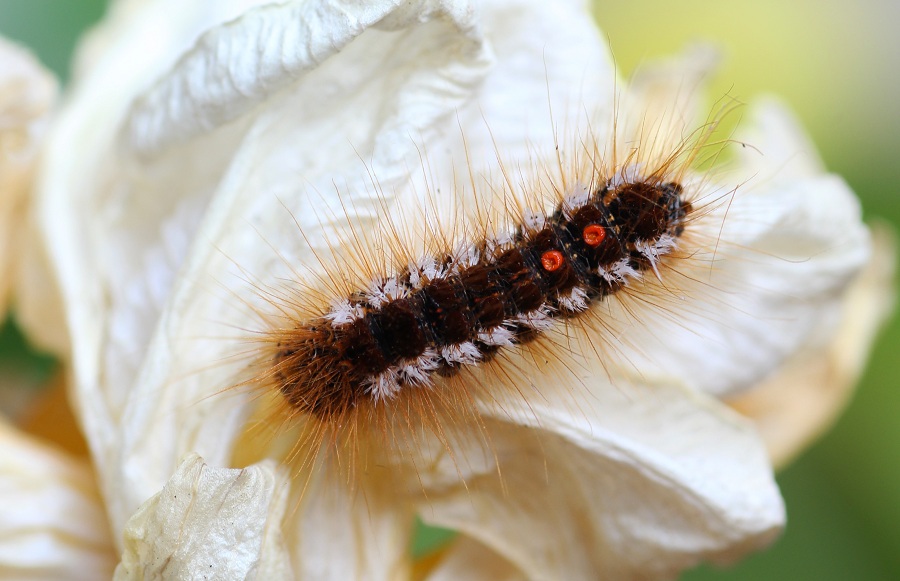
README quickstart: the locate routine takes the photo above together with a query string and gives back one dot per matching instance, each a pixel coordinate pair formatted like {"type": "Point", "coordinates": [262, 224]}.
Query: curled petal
{"type": "Point", "coordinates": [779, 151]}
{"type": "Point", "coordinates": [634, 483]}
{"type": "Point", "coordinates": [210, 522]}
{"type": "Point", "coordinates": [238, 65]}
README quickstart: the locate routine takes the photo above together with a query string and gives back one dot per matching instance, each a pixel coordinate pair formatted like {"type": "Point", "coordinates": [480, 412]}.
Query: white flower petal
{"type": "Point", "coordinates": [637, 483]}
{"type": "Point", "coordinates": [52, 522]}
{"type": "Point", "coordinates": [803, 399]}
{"type": "Point", "coordinates": [27, 94]}
{"type": "Point", "coordinates": [210, 522]}
{"type": "Point", "coordinates": [664, 101]}
{"type": "Point", "coordinates": [550, 55]}
{"type": "Point", "coordinates": [767, 271]}
{"type": "Point", "coordinates": [340, 532]}
{"type": "Point", "coordinates": [236, 66]}
{"type": "Point", "coordinates": [780, 151]}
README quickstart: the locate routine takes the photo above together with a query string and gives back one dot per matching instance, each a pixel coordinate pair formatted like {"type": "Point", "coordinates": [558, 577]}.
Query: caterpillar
{"type": "Point", "coordinates": [399, 336]}
{"type": "Point", "coordinates": [445, 312]}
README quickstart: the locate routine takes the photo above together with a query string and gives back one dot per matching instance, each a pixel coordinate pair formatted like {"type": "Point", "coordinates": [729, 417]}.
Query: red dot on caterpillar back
{"type": "Point", "coordinates": [593, 235]}
{"type": "Point", "coordinates": [552, 260]}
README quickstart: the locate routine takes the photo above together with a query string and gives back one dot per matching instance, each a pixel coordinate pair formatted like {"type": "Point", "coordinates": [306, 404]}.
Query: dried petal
{"type": "Point", "coordinates": [52, 520]}
{"type": "Point", "coordinates": [799, 403]}
{"type": "Point", "coordinates": [635, 484]}
{"type": "Point", "coordinates": [27, 94]}
{"type": "Point", "coordinates": [210, 522]}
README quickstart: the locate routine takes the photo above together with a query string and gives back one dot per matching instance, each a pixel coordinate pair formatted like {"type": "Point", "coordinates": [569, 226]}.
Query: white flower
{"type": "Point", "coordinates": [199, 136]}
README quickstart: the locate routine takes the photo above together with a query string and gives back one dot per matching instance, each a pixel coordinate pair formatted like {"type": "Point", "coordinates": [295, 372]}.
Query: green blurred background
{"type": "Point", "coordinates": [836, 63]}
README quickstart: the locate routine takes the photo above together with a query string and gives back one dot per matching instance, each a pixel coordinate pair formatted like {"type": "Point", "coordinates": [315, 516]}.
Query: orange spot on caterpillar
{"type": "Point", "coordinates": [552, 260]}
{"type": "Point", "coordinates": [594, 235]}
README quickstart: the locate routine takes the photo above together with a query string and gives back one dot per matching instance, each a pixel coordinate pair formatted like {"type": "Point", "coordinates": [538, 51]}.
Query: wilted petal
{"type": "Point", "coordinates": [767, 271]}
{"type": "Point", "coordinates": [630, 483]}
{"type": "Point", "coordinates": [238, 65]}
{"type": "Point", "coordinates": [27, 93]}
{"type": "Point", "coordinates": [802, 400]}
{"type": "Point", "coordinates": [210, 522]}
{"type": "Point", "coordinates": [52, 522]}
{"type": "Point", "coordinates": [342, 530]}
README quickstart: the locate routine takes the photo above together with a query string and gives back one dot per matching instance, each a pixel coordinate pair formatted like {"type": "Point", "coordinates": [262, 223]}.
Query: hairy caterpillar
{"type": "Point", "coordinates": [393, 343]}
{"type": "Point", "coordinates": [459, 309]}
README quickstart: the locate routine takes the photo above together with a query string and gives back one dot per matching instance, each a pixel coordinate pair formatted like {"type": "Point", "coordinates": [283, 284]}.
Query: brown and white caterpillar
{"type": "Point", "coordinates": [459, 309]}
